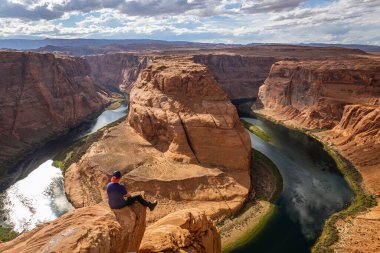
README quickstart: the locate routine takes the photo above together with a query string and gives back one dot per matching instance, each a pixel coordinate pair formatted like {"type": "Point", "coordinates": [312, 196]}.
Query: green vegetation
{"type": "Point", "coordinates": [253, 232]}
{"type": "Point", "coordinates": [360, 203]}
{"type": "Point", "coordinates": [256, 131]}
{"type": "Point", "coordinates": [7, 234]}
{"type": "Point", "coordinates": [115, 103]}
{"type": "Point", "coordinates": [270, 167]}
{"type": "Point", "coordinates": [73, 153]}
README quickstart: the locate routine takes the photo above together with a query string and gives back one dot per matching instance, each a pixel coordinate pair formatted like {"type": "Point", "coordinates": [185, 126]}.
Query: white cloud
{"type": "Point", "coordinates": [342, 21]}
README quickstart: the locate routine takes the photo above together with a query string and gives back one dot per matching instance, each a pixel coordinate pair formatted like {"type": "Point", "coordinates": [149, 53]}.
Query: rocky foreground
{"type": "Point", "coordinates": [41, 96]}
{"type": "Point", "coordinates": [340, 99]}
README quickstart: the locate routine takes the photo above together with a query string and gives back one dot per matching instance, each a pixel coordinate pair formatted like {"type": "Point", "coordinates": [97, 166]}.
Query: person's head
{"type": "Point", "coordinates": [116, 175]}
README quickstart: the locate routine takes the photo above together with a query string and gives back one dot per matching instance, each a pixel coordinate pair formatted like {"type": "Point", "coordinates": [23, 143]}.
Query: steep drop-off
{"type": "Point", "coordinates": [195, 152]}
{"type": "Point", "coordinates": [343, 96]}
{"type": "Point", "coordinates": [178, 106]}
{"type": "Point", "coordinates": [117, 71]}
{"type": "Point", "coordinates": [41, 96]}
{"type": "Point", "coordinates": [93, 229]}
{"type": "Point", "coordinates": [357, 137]}
{"type": "Point", "coordinates": [312, 93]}
{"type": "Point", "coordinates": [239, 76]}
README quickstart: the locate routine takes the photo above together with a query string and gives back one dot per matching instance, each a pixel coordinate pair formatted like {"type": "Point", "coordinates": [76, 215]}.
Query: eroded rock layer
{"type": "Point", "coordinates": [313, 93]}
{"type": "Point", "coordinates": [41, 96]}
{"type": "Point", "coordinates": [194, 151]}
{"type": "Point", "coordinates": [96, 229]}
{"type": "Point", "coordinates": [239, 76]}
{"type": "Point", "coordinates": [117, 71]}
{"type": "Point", "coordinates": [187, 230]}
{"type": "Point", "coordinates": [343, 96]}
{"type": "Point", "coordinates": [357, 136]}
{"type": "Point", "coordinates": [177, 105]}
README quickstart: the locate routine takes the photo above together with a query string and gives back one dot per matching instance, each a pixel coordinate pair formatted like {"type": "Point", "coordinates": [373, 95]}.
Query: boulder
{"type": "Point", "coordinates": [187, 230]}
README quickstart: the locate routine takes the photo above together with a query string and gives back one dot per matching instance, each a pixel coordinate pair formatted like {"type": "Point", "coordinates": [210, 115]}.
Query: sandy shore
{"type": "Point", "coordinates": [238, 230]}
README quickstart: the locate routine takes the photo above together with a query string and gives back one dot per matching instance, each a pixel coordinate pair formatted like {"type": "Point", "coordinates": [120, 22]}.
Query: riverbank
{"type": "Point", "coordinates": [74, 152]}
{"type": "Point", "coordinates": [361, 202]}
{"type": "Point", "coordinates": [266, 187]}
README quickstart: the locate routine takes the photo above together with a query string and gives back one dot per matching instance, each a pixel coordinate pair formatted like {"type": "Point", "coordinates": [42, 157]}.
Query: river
{"type": "Point", "coordinates": [38, 195]}
{"type": "Point", "coordinates": [313, 190]}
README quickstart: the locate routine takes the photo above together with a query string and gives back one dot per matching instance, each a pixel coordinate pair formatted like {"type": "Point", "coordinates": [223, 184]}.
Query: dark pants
{"type": "Point", "coordinates": [130, 200]}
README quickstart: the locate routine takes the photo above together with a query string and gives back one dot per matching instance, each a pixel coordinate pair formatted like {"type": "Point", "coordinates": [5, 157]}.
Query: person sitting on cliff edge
{"type": "Point", "coordinates": [118, 196]}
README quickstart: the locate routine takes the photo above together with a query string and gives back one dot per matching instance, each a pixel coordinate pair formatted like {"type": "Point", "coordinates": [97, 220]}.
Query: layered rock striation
{"type": "Point", "coordinates": [117, 71]}
{"type": "Point", "coordinates": [342, 98]}
{"type": "Point", "coordinates": [238, 75]}
{"type": "Point", "coordinates": [179, 108]}
{"type": "Point", "coordinates": [184, 146]}
{"type": "Point", "coordinates": [312, 93]}
{"type": "Point", "coordinates": [91, 229]}
{"type": "Point", "coordinates": [188, 230]}
{"type": "Point", "coordinates": [41, 96]}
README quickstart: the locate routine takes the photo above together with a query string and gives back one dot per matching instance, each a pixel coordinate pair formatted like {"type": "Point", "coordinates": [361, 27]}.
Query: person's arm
{"type": "Point", "coordinates": [125, 192]}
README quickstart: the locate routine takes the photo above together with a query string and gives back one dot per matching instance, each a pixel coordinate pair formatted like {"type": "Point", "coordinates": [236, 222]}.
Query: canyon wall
{"type": "Point", "coordinates": [117, 71]}
{"type": "Point", "coordinates": [90, 229]}
{"type": "Point", "coordinates": [312, 93]}
{"type": "Point", "coordinates": [41, 96]}
{"type": "Point", "coordinates": [239, 76]}
{"type": "Point", "coordinates": [341, 98]}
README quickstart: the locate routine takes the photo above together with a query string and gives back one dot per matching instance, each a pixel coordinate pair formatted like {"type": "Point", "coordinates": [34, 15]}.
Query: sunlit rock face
{"type": "Point", "coordinates": [41, 96]}
{"type": "Point", "coordinates": [313, 93]}
{"type": "Point", "coordinates": [182, 144]}
{"type": "Point", "coordinates": [177, 105]}
{"type": "Point", "coordinates": [95, 229]}
{"type": "Point", "coordinates": [340, 98]}
{"type": "Point", "coordinates": [188, 230]}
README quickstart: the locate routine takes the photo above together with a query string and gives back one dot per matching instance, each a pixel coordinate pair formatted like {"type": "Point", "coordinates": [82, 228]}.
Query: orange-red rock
{"type": "Point", "coordinates": [188, 230]}
{"type": "Point", "coordinates": [41, 96]}
{"type": "Point", "coordinates": [239, 76]}
{"type": "Point", "coordinates": [93, 229]}
{"type": "Point", "coordinates": [343, 95]}
{"type": "Point", "coordinates": [195, 152]}
{"type": "Point", "coordinates": [313, 93]}
{"type": "Point", "coordinates": [177, 105]}
{"type": "Point", "coordinates": [117, 71]}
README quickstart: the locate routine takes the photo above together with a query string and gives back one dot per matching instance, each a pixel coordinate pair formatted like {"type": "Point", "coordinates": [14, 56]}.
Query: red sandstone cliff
{"type": "Point", "coordinates": [41, 96]}
{"type": "Point", "coordinates": [239, 76]}
{"type": "Point", "coordinates": [313, 93]}
{"type": "Point", "coordinates": [344, 96]}
{"type": "Point", "coordinates": [117, 71]}
{"type": "Point", "coordinates": [178, 106]}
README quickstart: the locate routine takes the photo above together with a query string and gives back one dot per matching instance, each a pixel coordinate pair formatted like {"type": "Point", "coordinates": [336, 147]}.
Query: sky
{"type": "Point", "coordinates": [246, 21]}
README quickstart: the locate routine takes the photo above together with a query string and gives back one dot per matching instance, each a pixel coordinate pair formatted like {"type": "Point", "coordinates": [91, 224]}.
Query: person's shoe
{"type": "Point", "coordinates": [152, 205]}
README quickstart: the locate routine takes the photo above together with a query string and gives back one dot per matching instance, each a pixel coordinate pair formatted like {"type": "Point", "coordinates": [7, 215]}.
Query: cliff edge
{"type": "Point", "coordinates": [41, 96]}
{"type": "Point", "coordinates": [90, 229]}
